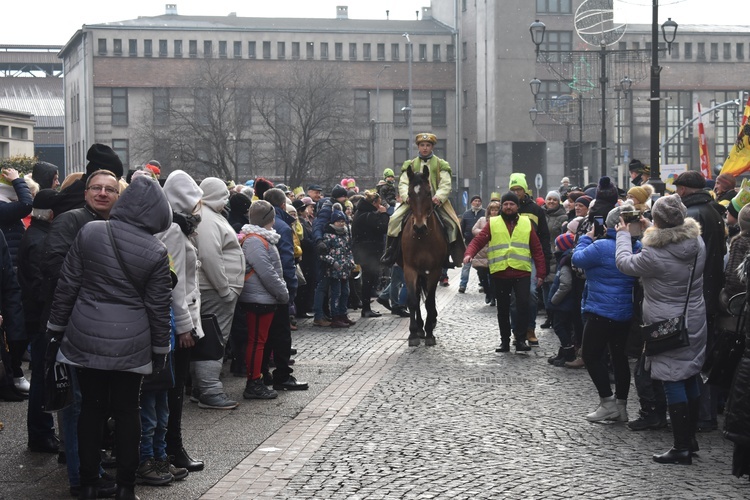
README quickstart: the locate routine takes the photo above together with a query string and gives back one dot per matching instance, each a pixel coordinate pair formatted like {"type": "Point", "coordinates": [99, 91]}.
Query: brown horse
{"type": "Point", "coordinates": [424, 249]}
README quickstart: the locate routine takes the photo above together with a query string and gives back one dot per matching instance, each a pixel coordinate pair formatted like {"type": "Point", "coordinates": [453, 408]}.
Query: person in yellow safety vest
{"type": "Point", "coordinates": [513, 248]}
{"type": "Point", "coordinates": [440, 182]}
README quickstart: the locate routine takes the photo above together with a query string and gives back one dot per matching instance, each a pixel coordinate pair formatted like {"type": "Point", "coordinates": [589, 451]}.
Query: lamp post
{"type": "Point", "coordinates": [377, 114]}
{"type": "Point", "coordinates": [408, 108]}
{"type": "Point", "coordinates": [669, 31]}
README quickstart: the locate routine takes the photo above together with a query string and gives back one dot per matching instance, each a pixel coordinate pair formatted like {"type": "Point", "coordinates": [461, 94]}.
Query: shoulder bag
{"type": "Point", "coordinates": [670, 333]}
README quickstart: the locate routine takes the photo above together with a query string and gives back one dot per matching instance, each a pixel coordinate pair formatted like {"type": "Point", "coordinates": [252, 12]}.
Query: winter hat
{"type": "Point", "coordinates": [290, 209]}
{"type": "Point", "coordinates": [154, 166]}
{"type": "Point", "coordinates": [584, 200]}
{"type": "Point", "coordinates": [283, 187]}
{"type": "Point", "coordinates": [564, 180]}
{"type": "Point", "coordinates": [337, 215]}
{"type": "Point", "coordinates": [565, 241]}
{"type": "Point", "coordinates": [639, 194]}
{"type": "Point", "coordinates": [744, 218]}
{"type": "Point", "coordinates": [475, 197]}
{"type": "Point", "coordinates": [613, 217]}
{"type": "Point", "coordinates": [638, 167]}
{"type": "Point", "coordinates": [44, 173]}
{"type": "Point", "coordinates": [261, 213]}
{"type": "Point", "coordinates": [690, 179]}
{"type": "Point", "coordinates": [554, 194]}
{"type": "Point", "coordinates": [510, 196]}
{"type": "Point", "coordinates": [307, 201]}
{"type": "Point", "coordinates": [388, 172]}
{"type": "Point", "coordinates": [102, 157]}
{"type": "Point", "coordinates": [45, 199]}
{"type": "Point", "coordinates": [261, 186]}
{"type": "Point", "coordinates": [517, 180]}
{"type": "Point", "coordinates": [338, 192]}
{"type": "Point", "coordinates": [239, 204]}
{"type": "Point", "coordinates": [726, 181]}
{"type": "Point", "coordinates": [606, 191]}
{"type": "Point", "coordinates": [573, 225]}
{"type": "Point", "coordinates": [669, 211]}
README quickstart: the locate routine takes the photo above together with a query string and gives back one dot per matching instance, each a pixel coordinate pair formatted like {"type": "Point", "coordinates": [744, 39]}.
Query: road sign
{"type": "Point", "coordinates": [538, 181]}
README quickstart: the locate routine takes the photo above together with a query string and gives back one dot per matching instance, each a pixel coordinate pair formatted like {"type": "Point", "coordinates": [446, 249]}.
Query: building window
{"type": "Point", "coordinates": [280, 50]}
{"type": "Point", "coordinates": [208, 48]}
{"type": "Point", "coordinates": [148, 48]}
{"type": "Point", "coordinates": [102, 46]}
{"type": "Point", "coordinates": [451, 52]}
{"type": "Point", "coordinates": [266, 50]}
{"type": "Point", "coordinates": [162, 48]}
{"type": "Point", "coordinates": [361, 154]}
{"type": "Point", "coordinates": [178, 48]}
{"type": "Point", "coordinates": [409, 52]}
{"type": "Point", "coordinates": [701, 51]}
{"type": "Point", "coordinates": [464, 51]}
{"type": "Point", "coordinates": [361, 106]}
{"type": "Point", "coordinates": [324, 50]}
{"type": "Point", "coordinates": [675, 50]}
{"type": "Point", "coordinates": [161, 106]}
{"type": "Point", "coordinates": [201, 106]}
{"type": "Point", "coordinates": [222, 48]}
{"type": "Point", "coordinates": [120, 107]}
{"type": "Point", "coordinates": [310, 49]}
{"type": "Point", "coordinates": [463, 5]}
{"type": "Point", "coordinates": [423, 52]}
{"type": "Point", "coordinates": [400, 152]}
{"type": "Point", "coordinates": [133, 47]}
{"type": "Point", "coordinates": [339, 51]}
{"type": "Point", "coordinates": [727, 51]}
{"type": "Point", "coordinates": [465, 102]}
{"type": "Point", "coordinates": [251, 50]}
{"type": "Point", "coordinates": [352, 51]}
{"type": "Point", "coordinates": [295, 50]}
{"type": "Point", "coordinates": [714, 51]}
{"type": "Point", "coordinates": [436, 53]}
{"type": "Point", "coordinates": [366, 51]}
{"type": "Point", "coordinates": [237, 48]}
{"type": "Point", "coordinates": [400, 101]}
{"type": "Point", "coordinates": [381, 52]}
{"type": "Point", "coordinates": [560, 41]}
{"type": "Point", "coordinates": [552, 89]}
{"type": "Point", "coordinates": [439, 108]}
{"type": "Point", "coordinates": [688, 50]}
{"type": "Point", "coordinates": [117, 46]}
{"type": "Point", "coordinates": [120, 146]}
{"type": "Point", "coordinates": [465, 151]}
{"type": "Point", "coordinates": [19, 133]}
{"type": "Point", "coordinates": [740, 51]}
{"type": "Point", "coordinates": [193, 48]}
{"type": "Point", "coordinates": [394, 52]}
{"type": "Point", "coordinates": [553, 7]}
{"type": "Point", "coordinates": [441, 148]}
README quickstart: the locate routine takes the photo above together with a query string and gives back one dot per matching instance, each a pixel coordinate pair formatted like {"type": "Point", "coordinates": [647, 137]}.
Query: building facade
{"type": "Point", "coordinates": [16, 133]}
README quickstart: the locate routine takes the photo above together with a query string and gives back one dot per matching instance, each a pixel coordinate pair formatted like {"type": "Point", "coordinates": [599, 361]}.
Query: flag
{"type": "Point", "coordinates": [738, 160]}
{"type": "Point", "coordinates": [703, 146]}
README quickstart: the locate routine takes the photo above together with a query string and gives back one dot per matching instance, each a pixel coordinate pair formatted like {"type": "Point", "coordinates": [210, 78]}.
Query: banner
{"type": "Point", "coordinates": [703, 146]}
{"type": "Point", "coordinates": [738, 160]}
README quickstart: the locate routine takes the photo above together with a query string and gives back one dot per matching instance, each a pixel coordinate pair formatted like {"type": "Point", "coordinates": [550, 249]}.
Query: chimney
{"type": "Point", "coordinates": [342, 12]}
{"type": "Point", "coordinates": [171, 9]}
{"type": "Point", "coordinates": [426, 13]}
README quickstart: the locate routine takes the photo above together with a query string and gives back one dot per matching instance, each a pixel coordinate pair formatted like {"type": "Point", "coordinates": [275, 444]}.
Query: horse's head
{"type": "Point", "coordinates": [420, 198]}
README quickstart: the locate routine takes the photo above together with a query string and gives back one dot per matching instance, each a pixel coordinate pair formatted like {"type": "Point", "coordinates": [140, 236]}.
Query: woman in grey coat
{"type": "Point", "coordinates": [115, 322]}
{"type": "Point", "coordinates": [670, 249]}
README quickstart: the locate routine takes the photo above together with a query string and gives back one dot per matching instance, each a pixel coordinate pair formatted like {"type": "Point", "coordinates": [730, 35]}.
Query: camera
{"type": "Point", "coordinates": [598, 226]}
{"type": "Point", "coordinates": [628, 217]}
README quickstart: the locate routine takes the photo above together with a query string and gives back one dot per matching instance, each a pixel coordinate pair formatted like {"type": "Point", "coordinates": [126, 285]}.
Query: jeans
{"type": "Point", "coordinates": [682, 390]}
{"type": "Point", "coordinates": [561, 323]}
{"type": "Point", "coordinates": [154, 418]}
{"type": "Point", "coordinates": [396, 291]}
{"type": "Point", "coordinates": [340, 297]}
{"type": "Point", "coordinates": [321, 292]}
{"type": "Point", "coordinates": [206, 373]}
{"type": "Point", "coordinates": [503, 289]}
{"type": "Point", "coordinates": [40, 424]}
{"type": "Point", "coordinates": [650, 392]}
{"type": "Point", "coordinates": [104, 392]}
{"type": "Point", "coordinates": [600, 334]}
{"type": "Point", "coordinates": [465, 270]}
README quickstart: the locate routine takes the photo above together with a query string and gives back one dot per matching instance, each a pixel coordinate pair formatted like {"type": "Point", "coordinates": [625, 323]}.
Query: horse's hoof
{"type": "Point", "coordinates": [429, 341]}
{"type": "Point", "coordinates": [422, 335]}
{"type": "Point", "coordinates": [414, 342]}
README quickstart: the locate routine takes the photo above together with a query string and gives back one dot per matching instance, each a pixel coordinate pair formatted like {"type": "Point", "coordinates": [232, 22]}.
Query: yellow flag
{"type": "Point", "coordinates": [738, 160]}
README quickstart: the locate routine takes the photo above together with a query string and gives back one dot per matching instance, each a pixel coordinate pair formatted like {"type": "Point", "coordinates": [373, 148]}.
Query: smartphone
{"type": "Point", "coordinates": [598, 226]}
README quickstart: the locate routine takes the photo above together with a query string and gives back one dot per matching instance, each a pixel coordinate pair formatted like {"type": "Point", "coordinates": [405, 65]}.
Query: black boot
{"type": "Point", "coordinates": [88, 492]}
{"type": "Point", "coordinates": [693, 411]}
{"type": "Point", "coordinates": [392, 247]}
{"type": "Point", "coordinates": [680, 452]}
{"type": "Point", "coordinates": [126, 493]}
{"type": "Point", "coordinates": [181, 459]}
{"type": "Point", "coordinates": [560, 353]}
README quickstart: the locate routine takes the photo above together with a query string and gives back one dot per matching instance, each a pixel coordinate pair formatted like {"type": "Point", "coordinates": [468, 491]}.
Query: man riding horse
{"type": "Point", "coordinates": [440, 182]}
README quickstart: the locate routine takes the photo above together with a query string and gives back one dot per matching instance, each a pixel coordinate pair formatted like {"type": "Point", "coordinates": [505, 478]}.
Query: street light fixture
{"type": "Point", "coordinates": [669, 32]}
{"type": "Point", "coordinates": [625, 84]}
{"type": "Point", "coordinates": [537, 30]}
{"type": "Point", "coordinates": [532, 114]}
{"type": "Point", "coordinates": [408, 104]}
{"type": "Point", "coordinates": [535, 85]}
{"type": "Point", "coordinates": [376, 124]}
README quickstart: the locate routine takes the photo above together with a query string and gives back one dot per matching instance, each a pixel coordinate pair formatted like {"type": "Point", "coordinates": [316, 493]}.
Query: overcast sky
{"type": "Point", "coordinates": [53, 22]}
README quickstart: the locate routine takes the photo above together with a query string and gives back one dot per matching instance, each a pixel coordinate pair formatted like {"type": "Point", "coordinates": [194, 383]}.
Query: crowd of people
{"type": "Point", "coordinates": [143, 286]}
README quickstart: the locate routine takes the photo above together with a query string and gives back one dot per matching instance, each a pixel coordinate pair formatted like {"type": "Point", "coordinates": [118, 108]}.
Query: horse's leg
{"type": "Point", "coordinates": [420, 293]}
{"type": "Point", "coordinates": [410, 279]}
{"type": "Point", "coordinates": [431, 310]}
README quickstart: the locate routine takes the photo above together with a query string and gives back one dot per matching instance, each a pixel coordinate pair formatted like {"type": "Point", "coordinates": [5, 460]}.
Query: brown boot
{"type": "Point", "coordinates": [339, 322]}
{"type": "Point", "coordinates": [531, 337]}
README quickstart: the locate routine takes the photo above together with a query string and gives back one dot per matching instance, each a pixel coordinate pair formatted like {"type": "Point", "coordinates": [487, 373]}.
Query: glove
{"type": "Point", "coordinates": [53, 346]}
{"type": "Point", "coordinates": [742, 197]}
{"type": "Point", "coordinates": [158, 362]}
{"type": "Point", "coordinates": [321, 247]}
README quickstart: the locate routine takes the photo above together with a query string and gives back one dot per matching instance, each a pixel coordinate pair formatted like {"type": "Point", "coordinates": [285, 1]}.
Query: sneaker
{"type": "Point", "coordinates": [646, 421]}
{"type": "Point", "coordinates": [321, 322]}
{"type": "Point", "coordinates": [22, 384]}
{"type": "Point", "coordinates": [217, 402]}
{"type": "Point", "coordinates": [480, 289]}
{"type": "Point", "coordinates": [444, 281]}
{"type": "Point", "coordinates": [178, 473]}
{"type": "Point", "coordinates": [152, 473]}
{"type": "Point", "coordinates": [254, 389]}
{"type": "Point", "coordinates": [462, 289]}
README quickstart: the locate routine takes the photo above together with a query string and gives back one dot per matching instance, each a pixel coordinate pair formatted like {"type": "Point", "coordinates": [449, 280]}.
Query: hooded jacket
{"type": "Point", "coordinates": [663, 266]}
{"type": "Point", "coordinates": [44, 174]}
{"type": "Point", "coordinates": [13, 208]}
{"type": "Point", "coordinates": [222, 262]}
{"type": "Point", "coordinates": [110, 322]}
{"type": "Point", "coordinates": [266, 283]}
{"type": "Point", "coordinates": [737, 410]}
{"type": "Point", "coordinates": [183, 195]}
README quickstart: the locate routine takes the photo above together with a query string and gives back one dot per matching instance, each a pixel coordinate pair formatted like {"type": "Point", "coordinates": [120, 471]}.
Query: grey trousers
{"type": "Point", "coordinates": [205, 374]}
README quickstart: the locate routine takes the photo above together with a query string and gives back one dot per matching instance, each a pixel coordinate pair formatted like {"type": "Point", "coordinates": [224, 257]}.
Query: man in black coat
{"type": "Point", "coordinates": [468, 219]}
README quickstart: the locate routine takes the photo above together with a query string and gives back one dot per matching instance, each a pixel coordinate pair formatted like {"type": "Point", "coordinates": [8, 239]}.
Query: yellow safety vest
{"type": "Point", "coordinates": [508, 250]}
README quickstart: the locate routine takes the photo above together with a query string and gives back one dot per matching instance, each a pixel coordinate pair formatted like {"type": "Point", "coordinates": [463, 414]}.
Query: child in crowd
{"type": "Point", "coordinates": [561, 299]}
{"type": "Point", "coordinates": [339, 263]}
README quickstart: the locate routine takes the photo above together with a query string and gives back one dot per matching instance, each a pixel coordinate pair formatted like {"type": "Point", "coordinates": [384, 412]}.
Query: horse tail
{"type": "Point", "coordinates": [422, 287]}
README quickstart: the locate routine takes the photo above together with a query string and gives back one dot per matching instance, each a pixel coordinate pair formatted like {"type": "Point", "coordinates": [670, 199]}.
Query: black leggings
{"type": "Point", "coordinates": [600, 333]}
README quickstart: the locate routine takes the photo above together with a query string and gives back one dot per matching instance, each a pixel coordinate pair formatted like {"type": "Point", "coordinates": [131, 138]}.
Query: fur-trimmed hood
{"type": "Point", "coordinates": [659, 238]}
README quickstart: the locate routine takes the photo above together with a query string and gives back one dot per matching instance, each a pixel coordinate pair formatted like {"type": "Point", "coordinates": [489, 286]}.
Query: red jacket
{"type": "Point", "coordinates": [537, 253]}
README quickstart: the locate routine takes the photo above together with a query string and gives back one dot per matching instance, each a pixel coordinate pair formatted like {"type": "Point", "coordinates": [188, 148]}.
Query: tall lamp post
{"type": "Point", "coordinates": [669, 32]}
{"type": "Point", "coordinates": [377, 114]}
{"type": "Point", "coordinates": [408, 108]}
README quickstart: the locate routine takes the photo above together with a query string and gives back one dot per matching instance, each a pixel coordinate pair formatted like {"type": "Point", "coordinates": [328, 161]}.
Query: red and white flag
{"type": "Point", "coordinates": [703, 146]}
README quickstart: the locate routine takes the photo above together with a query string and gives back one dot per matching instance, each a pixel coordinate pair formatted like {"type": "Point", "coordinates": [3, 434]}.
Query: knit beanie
{"type": "Point", "coordinates": [338, 192]}
{"type": "Point", "coordinates": [45, 199]}
{"type": "Point", "coordinates": [613, 217]}
{"type": "Point", "coordinates": [574, 224]}
{"type": "Point", "coordinates": [691, 179]}
{"type": "Point", "coordinates": [584, 200]}
{"type": "Point", "coordinates": [555, 195]}
{"type": "Point", "coordinates": [239, 203]}
{"type": "Point", "coordinates": [388, 172]}
{"type": "Point", "coordinates": [669, 211]}
{"type": "Point", "coordinates": [639, 194]}
{"type": "Point", "coordinates": [510, 196]}
{"type": "Point", "coordinates": [606, 191]}
{"type": "Point", "coordinates": [102, 157]}
{"type": "Point", "coordinates": [299, 205]}
{"type": "Point", "coordinates": [726, 181]}
{"type": "Point", "coordinates": [261, 186]}
{"type": "Point", "coordinates": [261, 213]}
{"type": "Point", "coordinates": [565, 241]}
{"type": "Point", "coordinates": [337, 215]}
{"type": "Point", "coordinates": [518, 180]}
{"type": "Point", "coordinates": [475, 197]}
{"type": "Point", "coordinates": [638, 166]}
{"type": "Point", "coordinates": [744, 218]}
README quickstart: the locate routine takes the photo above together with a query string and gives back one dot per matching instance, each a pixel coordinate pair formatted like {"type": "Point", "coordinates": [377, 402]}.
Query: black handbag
{"type": "Point", "coordinates": [670, 333]}
{"type": "Point", "coordinates": [58, 386]}
{"type": "Point", "coordinates": [211, 346]}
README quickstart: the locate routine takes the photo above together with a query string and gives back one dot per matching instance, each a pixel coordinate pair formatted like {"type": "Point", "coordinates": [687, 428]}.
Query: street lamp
{"type": "Point", "coordinates": [377, 113]}
{"type": "Point", "coordinates": [533, 112]}
{"type": "Point", "coordinates": [669, 32]}
{"type": "Point", "coordinates": [535, 85]}
{"type": "Point", "coordinates": [408, 103]}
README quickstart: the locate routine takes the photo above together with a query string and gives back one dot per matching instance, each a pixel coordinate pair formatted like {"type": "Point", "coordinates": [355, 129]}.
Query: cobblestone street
{"type": "Point", "coordinates": [383, 420]}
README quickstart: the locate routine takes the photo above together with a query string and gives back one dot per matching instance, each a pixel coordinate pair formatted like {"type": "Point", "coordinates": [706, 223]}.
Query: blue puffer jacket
{"type": "Point", "coordinates": [608, 292]}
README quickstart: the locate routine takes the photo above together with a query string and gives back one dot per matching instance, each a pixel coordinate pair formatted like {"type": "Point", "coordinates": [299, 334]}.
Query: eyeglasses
{"type": "Point", "coordinates": [107, 189]}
